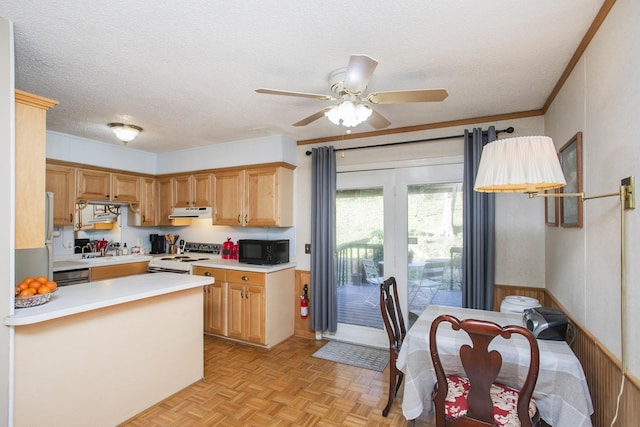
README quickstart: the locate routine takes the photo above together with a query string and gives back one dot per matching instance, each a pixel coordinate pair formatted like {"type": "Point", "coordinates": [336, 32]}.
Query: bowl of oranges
{"type": "Point", "coordinates": [34, 291]}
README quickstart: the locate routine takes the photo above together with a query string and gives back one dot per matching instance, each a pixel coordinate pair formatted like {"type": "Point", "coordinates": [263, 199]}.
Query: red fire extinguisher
{"type": "Point", "coordinates": [304, 303]}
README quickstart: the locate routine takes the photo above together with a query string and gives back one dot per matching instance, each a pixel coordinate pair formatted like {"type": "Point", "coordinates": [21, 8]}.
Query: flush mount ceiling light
{"type": "Point", "coordinates": [125, 133]}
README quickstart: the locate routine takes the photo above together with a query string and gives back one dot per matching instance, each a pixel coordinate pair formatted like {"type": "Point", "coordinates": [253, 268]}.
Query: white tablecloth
{"type": "Point", "coordinates": [561, 391]}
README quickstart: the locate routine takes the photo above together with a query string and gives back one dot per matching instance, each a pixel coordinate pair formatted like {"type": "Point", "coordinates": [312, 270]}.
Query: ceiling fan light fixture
{"type": "Point", "coordinates": [125, 133]}
{"type": "Point", "coordinates": [348, 113]}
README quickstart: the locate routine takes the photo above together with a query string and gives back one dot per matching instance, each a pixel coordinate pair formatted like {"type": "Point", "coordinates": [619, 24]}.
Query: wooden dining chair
{"type": "Point", "coordinates": [394, 324]}
{"type": "Point", "coordinates": [476, 399]}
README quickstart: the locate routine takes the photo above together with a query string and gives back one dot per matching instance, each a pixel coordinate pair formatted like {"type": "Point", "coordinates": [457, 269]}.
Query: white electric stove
{"type": "Point", "coordinates": [181, 263]}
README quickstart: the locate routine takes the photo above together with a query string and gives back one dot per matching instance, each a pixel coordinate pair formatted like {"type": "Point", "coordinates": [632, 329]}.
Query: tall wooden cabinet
{"type": "Point", "coordinates": [61, 181]}
{"type": "Point", "coordinates": [254, 197]}
{"type": "Point", "coordinates": [165, 200]}
{"type": "Point", "coordinates": [30, 161]}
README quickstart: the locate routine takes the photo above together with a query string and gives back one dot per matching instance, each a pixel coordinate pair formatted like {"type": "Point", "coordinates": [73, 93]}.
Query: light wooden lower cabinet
{"type": "Point", "coordinates": [117, 270]}
{"type": "Point", "coordinates": [249, 306]}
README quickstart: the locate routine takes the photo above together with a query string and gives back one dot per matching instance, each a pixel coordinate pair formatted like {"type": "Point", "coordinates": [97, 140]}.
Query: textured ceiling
{"type": "Point", "coordinates": [186, 71]}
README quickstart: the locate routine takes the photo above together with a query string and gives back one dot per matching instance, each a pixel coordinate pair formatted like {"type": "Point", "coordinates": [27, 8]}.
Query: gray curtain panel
{"type": "Point", "coordinates": [323, 311]}
{"type": "Point", "coordinates": [478, 253]}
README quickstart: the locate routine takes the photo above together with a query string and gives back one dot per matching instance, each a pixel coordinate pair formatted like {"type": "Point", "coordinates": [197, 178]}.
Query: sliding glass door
{"type": "Point", "coordinates": [405, 223]}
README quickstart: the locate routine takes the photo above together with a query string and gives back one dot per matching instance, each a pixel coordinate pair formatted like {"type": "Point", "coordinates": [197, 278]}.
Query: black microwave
{"type": "Point", "coordinates": [265, 252]}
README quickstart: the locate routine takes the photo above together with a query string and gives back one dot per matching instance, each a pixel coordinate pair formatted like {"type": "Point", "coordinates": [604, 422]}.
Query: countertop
{"type": "Point", "coordinates": [75, 263]}
{"type": "Point", "coordinates": [235, 265]}
{"type": "Point", "coordinates": [73, 299]}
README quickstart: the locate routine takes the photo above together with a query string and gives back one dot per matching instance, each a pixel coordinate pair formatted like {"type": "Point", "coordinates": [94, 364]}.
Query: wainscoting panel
{"type": "Point", "coordinates": [601, 368]}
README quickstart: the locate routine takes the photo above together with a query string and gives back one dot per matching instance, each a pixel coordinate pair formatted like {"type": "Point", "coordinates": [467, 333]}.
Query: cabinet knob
{"type": "Point", "coordinates": [70, 217]}
{"type": "Point", "coordinates": [207, 273]}
{"type": "Point", "coordinates": [239, 219]}
{"type": "Point", "coordinates": [245, 278]}
{"type": "Point", "coordinates": [245, 219]}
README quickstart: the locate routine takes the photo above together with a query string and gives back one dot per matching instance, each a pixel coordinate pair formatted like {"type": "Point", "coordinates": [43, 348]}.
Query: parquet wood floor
{"type": "Point", "coordinates": [284, 386]}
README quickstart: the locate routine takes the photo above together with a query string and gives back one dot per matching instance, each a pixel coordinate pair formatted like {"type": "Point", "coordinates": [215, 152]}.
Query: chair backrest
{"type": "Point", "coordinates": [370, 271]}
{"type": "Point", "coordinates": [434, 270]}
{"type": "Point", "coordinates": [482, 367]}
{"type": "Point", "coordinates": [391, 313]}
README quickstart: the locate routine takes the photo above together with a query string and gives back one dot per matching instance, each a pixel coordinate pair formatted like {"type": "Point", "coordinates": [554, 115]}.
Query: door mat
{"type": "Point", "coordinates": [372, 358]}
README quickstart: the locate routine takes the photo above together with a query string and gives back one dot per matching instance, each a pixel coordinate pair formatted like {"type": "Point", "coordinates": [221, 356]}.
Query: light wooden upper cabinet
{"type": "Point", "coordinates": [148, 201]}
{"type": "Point", "coordinates": [164, 206]}
{"type": "Point", "coordinates": [93, 185]}
{"type": "Point", "coordinates": [268, 197]}
{"type": "Point", "coordinates": [30, 164]}
{"type": "Point", "coordinates": [125, 188]}
{"type": "Point", "coordinates": [61, 181]}
{"type": "Point", "coordinates": [255, 197]}
{"type": "Point", "coordinates": [228, 208]}
{"type": "Point", "coordinates": [108, 187]}
{"type": "Point", "coordinates": [192, 190]}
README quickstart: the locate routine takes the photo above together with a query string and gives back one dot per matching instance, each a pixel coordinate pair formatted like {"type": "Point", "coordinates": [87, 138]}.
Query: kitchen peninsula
{"type": "Point", "coordinates": [99, 353]}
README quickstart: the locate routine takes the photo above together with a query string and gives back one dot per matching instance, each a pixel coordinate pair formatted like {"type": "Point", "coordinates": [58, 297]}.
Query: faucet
{"type": "Point", "coordinates": [83, 248]}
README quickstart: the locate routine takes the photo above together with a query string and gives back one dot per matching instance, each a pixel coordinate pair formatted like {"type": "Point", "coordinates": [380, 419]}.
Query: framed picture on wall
{"type": "Point", "coordinates": [551, 209]}
{"type": "Point", "coordinates": [571, 161]}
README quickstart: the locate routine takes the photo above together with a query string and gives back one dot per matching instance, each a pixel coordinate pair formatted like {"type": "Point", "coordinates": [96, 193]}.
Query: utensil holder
{"type": "Point", "coordinates": [173, 249]}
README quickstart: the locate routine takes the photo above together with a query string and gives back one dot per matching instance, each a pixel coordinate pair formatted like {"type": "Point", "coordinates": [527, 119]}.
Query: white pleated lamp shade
{"type": "Point", "coordinates": [525, 164]}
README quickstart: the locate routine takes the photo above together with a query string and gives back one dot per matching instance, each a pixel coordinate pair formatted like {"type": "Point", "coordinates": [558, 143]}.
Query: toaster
{"type": "Point", "coordinates": [546, 323]}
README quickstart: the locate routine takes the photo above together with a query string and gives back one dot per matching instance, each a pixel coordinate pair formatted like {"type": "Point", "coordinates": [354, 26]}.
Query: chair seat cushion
{"type": "Point", "coordinates": [505, 401]}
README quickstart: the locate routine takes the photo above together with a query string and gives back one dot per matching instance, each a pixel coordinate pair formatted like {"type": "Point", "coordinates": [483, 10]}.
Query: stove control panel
{"type": "Point", "coordinates": [203, 248]}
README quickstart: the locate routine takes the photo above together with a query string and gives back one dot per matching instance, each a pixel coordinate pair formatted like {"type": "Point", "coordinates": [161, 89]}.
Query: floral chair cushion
{"type": "Point", "coordinates": [505, 401]}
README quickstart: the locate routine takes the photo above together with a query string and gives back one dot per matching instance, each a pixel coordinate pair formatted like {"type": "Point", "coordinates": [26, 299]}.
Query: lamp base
{"type": "Point", "coordinates": [629, 195]}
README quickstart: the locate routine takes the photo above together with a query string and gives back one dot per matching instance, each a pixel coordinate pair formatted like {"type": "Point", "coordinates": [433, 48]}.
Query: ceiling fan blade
{"type": "Point", "coordinates": [377, 120]}
{"type": "Point", "coordinates": [312, 118]}
{"type": "Point", "coordinates": [299, 94]}
{"type": "Point", "coordinates": [403, 96]}
{"type": "Point", "coordinates": [359, 72]}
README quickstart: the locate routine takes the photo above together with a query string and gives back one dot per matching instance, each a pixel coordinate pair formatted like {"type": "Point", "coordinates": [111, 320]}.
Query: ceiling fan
{"type": "Point", "coordinates": [347, 85]}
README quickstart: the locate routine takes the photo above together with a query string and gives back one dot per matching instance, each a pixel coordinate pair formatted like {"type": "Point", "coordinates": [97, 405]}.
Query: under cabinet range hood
{"type": "Point", "coordinates": [103, 218]}
{"type": "Point", "coordinates": [195, 212]}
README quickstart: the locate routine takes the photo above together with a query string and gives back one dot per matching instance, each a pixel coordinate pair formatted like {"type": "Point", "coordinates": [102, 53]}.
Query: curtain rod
{"type": "Point", "coordinates": [440, 138]}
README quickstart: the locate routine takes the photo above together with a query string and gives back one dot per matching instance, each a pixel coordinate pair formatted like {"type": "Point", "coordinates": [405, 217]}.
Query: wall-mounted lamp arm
{"type": "Point", "coordinates": [626, 194]}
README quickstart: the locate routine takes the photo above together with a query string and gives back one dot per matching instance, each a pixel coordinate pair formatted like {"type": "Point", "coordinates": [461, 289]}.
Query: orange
{"type": "Point", "coordinates": [22, 286]}
{"type": "Point", "coordinates": [42, 279]}
{"type": "Point", "coordinates": [17, 290]}
{"type": "Point", "coordinates": [28, 280]}
{"type": "Point", "coordinates": [35, 284]}
{"type": "Point", "coordinates": [28, 292]}
{"type": "Point", "coordinates": [52, 285]}
{"type": "Point", "coordinates": [44, 289]}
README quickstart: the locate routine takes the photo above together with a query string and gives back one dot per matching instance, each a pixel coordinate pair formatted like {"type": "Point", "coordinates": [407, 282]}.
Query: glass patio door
{"type": "Point", "coordinates": [394, 222]}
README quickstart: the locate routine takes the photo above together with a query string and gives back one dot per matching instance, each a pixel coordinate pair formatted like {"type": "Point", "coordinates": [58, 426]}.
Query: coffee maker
{"type": "Point", "coordinates": [158, 243]}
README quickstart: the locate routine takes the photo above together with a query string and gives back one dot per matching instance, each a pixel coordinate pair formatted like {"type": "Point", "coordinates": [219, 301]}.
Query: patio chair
{"type": "Point", "coordinates": [372, 278]}
{"type": "Point", "coordinates": [432, 276]}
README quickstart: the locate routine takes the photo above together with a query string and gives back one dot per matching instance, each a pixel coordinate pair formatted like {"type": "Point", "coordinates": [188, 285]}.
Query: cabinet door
{"type": "Point", "coordinates": [61, 181]}
{"type": "Point", "coordinates": [148, 201]}
{"type": "Point", "coordinates": [165, 200]}
{"type": "Point", "coordinates": [228, 203]}
{"type": "Point", "coordinates": [182, 191]}
{"type": "Point", "coordinates": [126, 188]}
{"type": "Point", "coordinates": [260, 199]}
{"type": "Point", "coordinates": [201, 190]}
{"type": "Point", "coordinates": [255, 314]}
{"type": "Point", "coordinates": [30, 163]}
{"type": "Point", "coordinates": [215, 318]}
{"type": "Point", "coordinates": [235, 307]}
{"type": "Point", "coordinates": [93, 185]}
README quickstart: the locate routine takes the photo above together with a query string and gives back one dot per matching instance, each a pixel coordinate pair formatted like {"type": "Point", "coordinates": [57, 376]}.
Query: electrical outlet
{"type": "Point", "coordinates": [307, 248]}
{"type": "Point", "coordinates": [68, 245]}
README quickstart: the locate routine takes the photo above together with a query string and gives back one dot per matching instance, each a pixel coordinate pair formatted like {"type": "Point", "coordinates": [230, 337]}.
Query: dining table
{"type": "Point", "coordinates": [561, 391]}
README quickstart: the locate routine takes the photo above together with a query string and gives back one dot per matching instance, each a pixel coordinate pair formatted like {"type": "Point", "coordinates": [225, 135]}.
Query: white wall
{"type": "Point", "coordinates": [7, 221]}
{"type": "Point", "coordinates": [518, 219]}
{"type": "Point", "coordinates": [601, 99]}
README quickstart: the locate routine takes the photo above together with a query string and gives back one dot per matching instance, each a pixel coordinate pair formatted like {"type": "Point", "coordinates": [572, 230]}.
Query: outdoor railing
{"type": "Point", "coordinates": [349, 261]}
